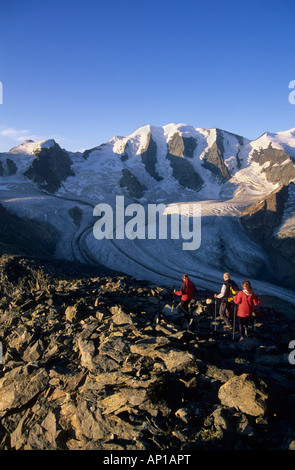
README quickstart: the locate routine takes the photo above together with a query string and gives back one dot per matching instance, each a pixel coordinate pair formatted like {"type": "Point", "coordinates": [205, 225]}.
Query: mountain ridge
{"type": "Point", "coordinates": [174, 164]}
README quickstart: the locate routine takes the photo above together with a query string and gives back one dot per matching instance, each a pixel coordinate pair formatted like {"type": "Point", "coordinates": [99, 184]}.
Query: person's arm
{"type": "Point", "coordinates": [182, 289]}
{"type": "Point", "coordinates": [255, 299]}
{"type": "Point", "coordinates": [238, 298]}
{"type": "Point", "coordinates": [222, 292]}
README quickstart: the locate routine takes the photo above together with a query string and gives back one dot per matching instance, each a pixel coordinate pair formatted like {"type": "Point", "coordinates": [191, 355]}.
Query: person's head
{"type": "Point", "coordinates": [185, 277]}
{"type": "Point", "coordinates": [226, 276]}
{"type": "Point", "coordinates": [247, 286]}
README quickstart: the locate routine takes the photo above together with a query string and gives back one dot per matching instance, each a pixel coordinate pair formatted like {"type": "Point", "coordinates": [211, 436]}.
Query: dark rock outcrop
{"type": "Point", "coordinates": [134, 187]}
{"type": "Point", "coordinates": [262, 220]}
{"type": "Point", "coordinates": [280, 166]}
{"type": "Point", "coordinates": [11, 166]}
{"type": "Point", "coordinates": [19, 236]}
{"type": "Point", "coordinates": [214, 160]}
{"type": "Point", "coordinates": [149, 158]}
{"type": "Point", "coordinates": [262, 217]}
{"type": "Point", "coordinates": [181, 146]}
{"type": "Point", "coordinates": [183, 171]}
{"type": "Point", "coordinates": [50, 168]}
{"type": "Point", "coordinates": [76, 214]}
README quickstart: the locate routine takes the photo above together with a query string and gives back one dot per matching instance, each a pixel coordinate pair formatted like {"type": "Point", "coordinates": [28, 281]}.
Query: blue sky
{"type": "Point", "coordinates": [84, 71]}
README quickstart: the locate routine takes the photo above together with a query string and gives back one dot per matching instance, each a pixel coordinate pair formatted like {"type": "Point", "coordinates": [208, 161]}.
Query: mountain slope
{"type": "Point", "coordinates": [175, 165]}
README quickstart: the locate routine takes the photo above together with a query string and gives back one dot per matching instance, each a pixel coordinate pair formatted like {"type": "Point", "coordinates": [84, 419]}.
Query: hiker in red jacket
{"type": "Point", "coordinates": [187, 294]}
{"type": "Point", "coordinates": [246, 299]}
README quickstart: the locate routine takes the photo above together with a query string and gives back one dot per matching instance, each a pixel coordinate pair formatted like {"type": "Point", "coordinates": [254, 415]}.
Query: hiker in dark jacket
{"type": "Point", "coordinates": [226, 307]}
{"type": "Point", "coordinates": [186, 293]}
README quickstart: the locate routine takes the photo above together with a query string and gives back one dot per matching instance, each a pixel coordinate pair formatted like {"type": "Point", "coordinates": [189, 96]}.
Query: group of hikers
{"type": "Point", "coordinates": [230, 295]}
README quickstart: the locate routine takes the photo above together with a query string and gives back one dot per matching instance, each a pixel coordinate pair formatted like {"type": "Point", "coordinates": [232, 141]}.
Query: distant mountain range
{"type": "Point", "coordinates": [245, 188]}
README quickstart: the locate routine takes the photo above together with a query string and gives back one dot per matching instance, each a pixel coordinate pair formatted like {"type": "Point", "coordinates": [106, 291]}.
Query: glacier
{"type": "Point", "coordinates": [175, 164]}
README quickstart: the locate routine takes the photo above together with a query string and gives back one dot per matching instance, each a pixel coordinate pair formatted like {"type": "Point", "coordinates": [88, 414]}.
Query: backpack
{"type": "Point", "coordinates": [231, 290]}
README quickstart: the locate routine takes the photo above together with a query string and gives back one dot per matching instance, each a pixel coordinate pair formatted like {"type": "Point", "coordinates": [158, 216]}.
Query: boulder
{"type": "Point", "coordinates": [119, 316]}
{"type": "Point", "coordinates": [21, 385]}
{"type": "Point", "coordinates": [170, 313]}
{"type": "Point", "coordinates": [71, 313]}
{"type": "Point", "coordinates": [87, 351]}
{"type": "Point", "coordinates": [245, 393]}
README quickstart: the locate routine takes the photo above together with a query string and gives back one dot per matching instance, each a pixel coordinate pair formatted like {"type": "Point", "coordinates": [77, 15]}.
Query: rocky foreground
{"type": "Point", "coordinates": [107, 363]}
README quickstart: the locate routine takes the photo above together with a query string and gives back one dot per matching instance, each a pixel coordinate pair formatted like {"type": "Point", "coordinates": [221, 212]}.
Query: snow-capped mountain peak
{"type": "Point", "coordinates": [28, 147]}
{"type": "Point", "coordinates": [283, 140]}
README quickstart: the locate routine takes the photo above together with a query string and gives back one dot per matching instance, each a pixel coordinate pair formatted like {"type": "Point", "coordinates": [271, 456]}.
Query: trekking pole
{"type": "Point", "coordinates": [173, 300]}
{"type": "Point", "coordinates": [254, 325]}
{"type": "Point", "coordinates": [234, 321]}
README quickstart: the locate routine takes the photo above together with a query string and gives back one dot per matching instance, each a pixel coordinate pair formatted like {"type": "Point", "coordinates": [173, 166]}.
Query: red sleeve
{"type": "Point", "coordinates": [178, 292]}
{"type": "Point", "coordinates": [238, 298]}
{"type": "Point", "coordinates": [255, 299]}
